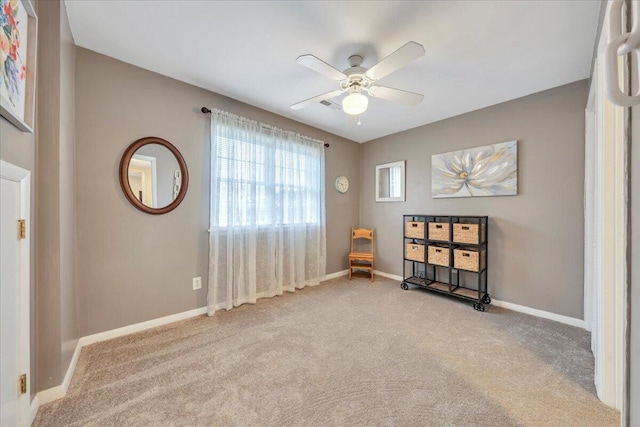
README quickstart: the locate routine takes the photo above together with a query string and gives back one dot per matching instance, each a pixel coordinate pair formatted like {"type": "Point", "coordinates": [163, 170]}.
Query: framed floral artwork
{"type": "Point", "coordinates": [491, 170]}
{"type": "Point", "coordinates": [18, 34]}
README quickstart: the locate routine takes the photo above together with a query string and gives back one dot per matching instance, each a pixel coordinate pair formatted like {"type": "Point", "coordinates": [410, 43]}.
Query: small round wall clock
{"type": "Point", "coordinates": [342, 184]}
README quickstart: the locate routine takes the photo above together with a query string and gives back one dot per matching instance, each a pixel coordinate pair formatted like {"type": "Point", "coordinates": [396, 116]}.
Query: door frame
{"type": "Point", "coordinates": [606, 226]}
{"type": "Point", "coordinates": [154, 180]}
{"type": "Point", "coordinates": [22, 176]}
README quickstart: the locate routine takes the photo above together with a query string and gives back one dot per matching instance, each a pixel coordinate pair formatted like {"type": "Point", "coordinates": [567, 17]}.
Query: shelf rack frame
{"type": "Point", "coordinates": [417, 273]}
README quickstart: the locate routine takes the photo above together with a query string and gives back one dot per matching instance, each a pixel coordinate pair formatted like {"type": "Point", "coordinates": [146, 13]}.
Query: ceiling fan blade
{"type": "Point", "coordinates": [396, 95]}
{"type": "Point", "coordinates": [316, 99]}
{"type": "Point", "coordinates": [321, 67]}
{"type": "Point", "coordinates": [398, 59]}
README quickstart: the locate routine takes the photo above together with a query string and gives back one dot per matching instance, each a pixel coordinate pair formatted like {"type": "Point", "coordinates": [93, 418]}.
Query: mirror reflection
{"type": "Point", "coordinates": [390, 182]}
{"type": "Point", "coordinates": [154, 176]}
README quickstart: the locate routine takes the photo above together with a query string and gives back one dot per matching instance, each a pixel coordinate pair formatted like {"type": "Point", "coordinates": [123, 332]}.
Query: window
{"type": "Point", "coordinates": [266, 179]}
{"type": "Point", "coordinates": [267, 226]}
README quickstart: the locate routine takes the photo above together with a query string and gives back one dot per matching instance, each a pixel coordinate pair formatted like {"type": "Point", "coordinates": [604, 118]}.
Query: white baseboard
{"type": "Point", "coordinates": [72, 367]}
{"type": "Point", "coordinates": [572, 321]}
{"type": "Point", "coordinates": [54, 393]}
{"type": "Point", "coordinates": [50, 394]}
{"type": "Point", "coordinates": [57, 392]}
{"type": "Point", "coordinates": [335, 275]}
{"type": "Point", "coordinates": [35, 405]}
{"type": "Point", "coordinates": [142, 326]}
{"type": "Point", "coordinates": [388, 276]}
{"type": "Point", "coordinates": [375, 272]}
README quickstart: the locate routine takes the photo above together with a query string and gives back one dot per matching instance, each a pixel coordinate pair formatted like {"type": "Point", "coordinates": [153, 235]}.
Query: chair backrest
{"type": "Point", "coordinates": [361, 233]}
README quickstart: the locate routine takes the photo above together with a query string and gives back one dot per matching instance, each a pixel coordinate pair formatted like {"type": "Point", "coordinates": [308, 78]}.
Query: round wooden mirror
{"type": "Point", "coordinates": [153, 175]}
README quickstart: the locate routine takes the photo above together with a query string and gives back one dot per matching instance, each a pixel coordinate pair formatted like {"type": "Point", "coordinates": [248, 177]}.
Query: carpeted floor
{"type": "Point", "coordinates": [343, 353]}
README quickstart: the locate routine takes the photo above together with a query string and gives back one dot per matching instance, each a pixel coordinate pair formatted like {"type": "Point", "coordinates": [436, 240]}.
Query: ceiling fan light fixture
{"type": "Point", "coordinates": [355, 104]}
{"type": "Point", "coordinates": [357, 79]}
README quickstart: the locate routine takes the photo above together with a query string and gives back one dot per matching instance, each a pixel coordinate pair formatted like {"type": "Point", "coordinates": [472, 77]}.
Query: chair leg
{"type": "Point", "coordinates": [371, 271]}
{"type": "Point", "coordinates": [350, 269]}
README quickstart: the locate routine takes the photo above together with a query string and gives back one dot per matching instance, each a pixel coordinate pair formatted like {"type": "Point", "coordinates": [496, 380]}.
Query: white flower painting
{"type": "Point", "coordinates": [491, 170]}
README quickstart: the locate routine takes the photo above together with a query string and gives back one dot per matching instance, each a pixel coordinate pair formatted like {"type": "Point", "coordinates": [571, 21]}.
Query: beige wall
{"type": "Point", "coordinates": [57, 321]}
{"type": "Point", "coordinates": [536, 238]}
{"type": "Point", "coordinates": [17, 147]}
{"type": "Point", "coordinates": [48, 196]}
{"type": "Point", "coordinates": [69, 327]}
{"type": "Point", "coordinates": [132, 266]}
{"type": "Point", "coordinates": [49, 155]}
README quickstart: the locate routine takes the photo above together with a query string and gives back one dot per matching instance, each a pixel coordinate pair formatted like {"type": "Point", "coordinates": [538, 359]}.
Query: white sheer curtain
{"type": "Point", "coordinates": [267, 212]}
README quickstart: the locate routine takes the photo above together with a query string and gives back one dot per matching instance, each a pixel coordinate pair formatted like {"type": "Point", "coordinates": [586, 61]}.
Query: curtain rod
{"type": "Point", "coordinates": [206, 110]}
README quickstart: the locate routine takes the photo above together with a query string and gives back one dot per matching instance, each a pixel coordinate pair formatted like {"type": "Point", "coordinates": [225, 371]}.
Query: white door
{"type": "Point", "coordinates": [14, 306]}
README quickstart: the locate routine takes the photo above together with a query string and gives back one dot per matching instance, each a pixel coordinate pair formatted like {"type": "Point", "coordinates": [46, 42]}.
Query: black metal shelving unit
{"type": "Point", "coordinates": [447, 279]}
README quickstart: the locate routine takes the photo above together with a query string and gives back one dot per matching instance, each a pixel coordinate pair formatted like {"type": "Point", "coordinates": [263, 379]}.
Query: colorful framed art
{"type": "Point", "coordinates": [18, 38]}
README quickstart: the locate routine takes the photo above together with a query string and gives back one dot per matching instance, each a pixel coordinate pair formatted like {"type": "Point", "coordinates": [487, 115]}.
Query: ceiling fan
{"type": "Point", "coordinates": [357, 79]}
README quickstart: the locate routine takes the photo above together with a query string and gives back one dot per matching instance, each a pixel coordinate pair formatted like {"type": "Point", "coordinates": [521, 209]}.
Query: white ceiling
{"type": "Point", "coordinates": [479, 53]}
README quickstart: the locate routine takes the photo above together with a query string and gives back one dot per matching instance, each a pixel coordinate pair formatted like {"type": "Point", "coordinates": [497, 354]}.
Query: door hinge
{"type": "Point", "coordinates": [22, 381]}
{"type": "Point", "coordinates": [22, 229]}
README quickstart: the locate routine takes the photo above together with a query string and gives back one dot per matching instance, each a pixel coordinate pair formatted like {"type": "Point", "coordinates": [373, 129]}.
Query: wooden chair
{"type": "Point", "coordinates": [361, 260]}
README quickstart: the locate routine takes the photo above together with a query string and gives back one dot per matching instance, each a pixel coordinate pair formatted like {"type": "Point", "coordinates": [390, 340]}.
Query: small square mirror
{"type": "Point", "coordinates": [390, 182]}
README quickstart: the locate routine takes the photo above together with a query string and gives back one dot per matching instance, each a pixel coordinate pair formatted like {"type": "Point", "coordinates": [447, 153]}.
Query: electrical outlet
{"type": "Point", "coordinates": [197, 283]}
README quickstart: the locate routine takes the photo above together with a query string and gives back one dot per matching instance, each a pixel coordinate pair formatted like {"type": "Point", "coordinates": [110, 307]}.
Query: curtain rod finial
{"type": "Point", "coordinates": [205, 110]}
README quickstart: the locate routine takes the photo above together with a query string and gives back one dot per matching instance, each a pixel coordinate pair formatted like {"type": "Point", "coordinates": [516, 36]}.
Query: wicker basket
{"type": "Point", "coordinates": [439, 231]}
{"type": "Point", "coordinates": [469, 260]}
{"type": "Point", "coordinates": [414, 252]}
{"type": "Point", "coordinates": [438, 255]}
{"type": "Point", "coordinates": [414, 229]}
{"type": "Point", "coordinates": [468, 233]}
